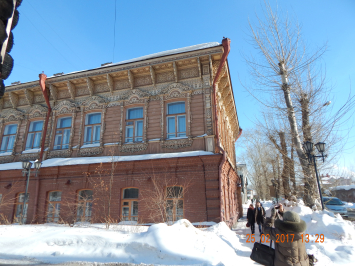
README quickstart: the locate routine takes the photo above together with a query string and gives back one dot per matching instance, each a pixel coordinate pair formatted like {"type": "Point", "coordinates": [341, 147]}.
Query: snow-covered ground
{"type": "Point", "coordinates": [179, 244]}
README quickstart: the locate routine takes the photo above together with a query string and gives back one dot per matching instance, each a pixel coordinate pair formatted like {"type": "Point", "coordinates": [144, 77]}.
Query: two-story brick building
{"type": "Point", "coordinates": [117, 134]}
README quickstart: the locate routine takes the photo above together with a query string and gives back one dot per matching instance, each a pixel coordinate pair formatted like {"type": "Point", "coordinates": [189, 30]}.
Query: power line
{"type": "Point", "coordinates": [49, 41]}
{"type": "Point", "coordinates": [114, 36]}
{"type": "Point", "coordinates": [48, 24]}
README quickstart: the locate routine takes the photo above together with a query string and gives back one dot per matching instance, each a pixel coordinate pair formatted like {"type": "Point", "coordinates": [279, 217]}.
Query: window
{"type": "Point", "coordinates": [62, 134]}
{"type": "Point", "coordinates": [176, 120]}
{"type": "Point", "coordinates": [134, 125]}
{"type": "Point", "coordinates": [19, 206]}
{"type": "Point", "coordinates": [54, 200]}
{"type": "Point", "coordinates": [92, 128]}
{"type": "Point", "coordinates": [34, 135]}
{"type": "Point", "coordinates": [8, 138]}
{"type": "Point", "coordinates": [84, 206]}
{"type": "Point", "coordinates": [130, 204]}
{"type": "Point", "coordinates": [175, 203]}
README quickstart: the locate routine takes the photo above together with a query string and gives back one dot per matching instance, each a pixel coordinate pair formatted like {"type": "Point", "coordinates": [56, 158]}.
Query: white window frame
{"type": "Point", "coordinates": [64, 129]}
{"type": "Point", "coordinates": [93, 129]}
{"type": "Point", "coordinates": [34, 133]}
{"type": "Point", "coordinates": [8, 138]}
{"type": "Point", "coordinates": [176, 120]}
{"type": "Point", "coordinates": [134, 126]}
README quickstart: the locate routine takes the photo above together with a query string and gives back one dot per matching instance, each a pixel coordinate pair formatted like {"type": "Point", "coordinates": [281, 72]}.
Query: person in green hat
{"type": "Point", "coordinates": [290, 250]}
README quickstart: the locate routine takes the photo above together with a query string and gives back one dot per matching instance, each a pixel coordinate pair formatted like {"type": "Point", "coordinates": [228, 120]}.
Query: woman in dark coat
{"type": "Point", "coordinates": [292, 251]}
{"type": "Point", "coordinates": [251, 218]}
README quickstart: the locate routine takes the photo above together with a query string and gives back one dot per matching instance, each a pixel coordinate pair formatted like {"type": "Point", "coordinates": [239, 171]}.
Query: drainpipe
{"type": "Point", "coordinates": [226, 46]}
{"type": "Point", "coordinates": [42, 83]}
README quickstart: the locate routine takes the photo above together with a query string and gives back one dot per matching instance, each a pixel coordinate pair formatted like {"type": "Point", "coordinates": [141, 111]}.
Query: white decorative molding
{"type": "Point", "coordinates": [152, 74]}
{"type": "Point", "coordinates": [37, 110]}
{"type": "Point", "coordinates": [131, 79]}
{"type": "Point", "coordinates": [110, 83]}
{"type": "Point", "coordinates": [12, 115]}
{"type": "Point", "coordinates": [71, 89]}
{"type": "Point", "coordinates": [91, 86]}
{"type": "Point", "coordinates": [13, 99]}
{"type": "Point", "coordinates": [176, 143]}
{"type": "Point", "coordinates": [134, 147]}
{"type": "Point", "coordinates": [54, 92]}
{"type": "Point", "coordinates": [59, 154]}
{"type": "Point", "coordinates": [29, 96]}
{"type": "Point", "coordinates": [92, 151]}
{"type": "Point", "coordinates": [175, 71]}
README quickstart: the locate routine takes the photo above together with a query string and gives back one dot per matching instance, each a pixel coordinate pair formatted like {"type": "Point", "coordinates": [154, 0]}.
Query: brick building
{"type": "Point", "coordinates": [118, 137]}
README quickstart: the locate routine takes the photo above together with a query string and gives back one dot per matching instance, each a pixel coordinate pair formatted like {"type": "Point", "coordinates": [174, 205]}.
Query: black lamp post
{"type": "Point", "coordinates": [27, 171]}
{"type": "Point", "coordinates": [308, 147]}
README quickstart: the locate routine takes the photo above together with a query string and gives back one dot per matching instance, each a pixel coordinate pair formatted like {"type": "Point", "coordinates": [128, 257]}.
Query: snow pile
{"type": "Point", "coordinates": [160, 244]}
{"type": "Point", "coordinates": [345, 187]}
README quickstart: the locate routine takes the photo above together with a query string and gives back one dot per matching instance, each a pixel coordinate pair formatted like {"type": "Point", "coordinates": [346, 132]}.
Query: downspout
{"type": "Point", "coordinates": [204, 178]}
{"type": "Point", "coordinates": [226, 46]}
{"type": "Point", "coordinates": [42, 84]}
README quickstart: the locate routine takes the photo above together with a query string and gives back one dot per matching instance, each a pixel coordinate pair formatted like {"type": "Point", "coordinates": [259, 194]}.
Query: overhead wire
{"type": "Point", "coordinates": [48, 24]}
{"type": "Point", "coordinates": [114, 35]}
{"type": "Point", "coordinates": [48, 40]}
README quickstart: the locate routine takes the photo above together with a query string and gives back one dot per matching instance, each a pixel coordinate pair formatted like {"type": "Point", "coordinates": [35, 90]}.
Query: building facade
{"type": "Point", "coordinates": [120, 138]}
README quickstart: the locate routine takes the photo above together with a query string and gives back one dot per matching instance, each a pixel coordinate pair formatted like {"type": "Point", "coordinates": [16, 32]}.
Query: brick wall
{"type": "Point", "coordinates": [201, 201]}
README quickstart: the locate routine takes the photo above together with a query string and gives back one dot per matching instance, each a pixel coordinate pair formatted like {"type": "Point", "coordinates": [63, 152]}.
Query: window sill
{"type": "Point", "coordinates": [90, 145]}
{"type": "Point", "coordinates": [137, 142]}
{"type": "Point", "coordinates": [6, 153]}
{"type": "Point", "coordinates": [31, 151]}
{"type": "Point", "coordinates": [178, 138]}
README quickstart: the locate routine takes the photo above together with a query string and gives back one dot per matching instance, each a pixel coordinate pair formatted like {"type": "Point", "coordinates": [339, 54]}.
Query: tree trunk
{"type": "Point", "coordinates": [285, 170]}
{"type": "Point", "coordinates": [307, 197]}
{"type": "Point", "coordinates": [292, 173]}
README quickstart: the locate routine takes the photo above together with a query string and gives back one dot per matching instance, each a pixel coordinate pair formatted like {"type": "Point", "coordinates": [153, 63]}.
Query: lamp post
{"type": "Point", "coordinates": [308, 147]}
{"type": "Point", "coordinates": [27, 171]}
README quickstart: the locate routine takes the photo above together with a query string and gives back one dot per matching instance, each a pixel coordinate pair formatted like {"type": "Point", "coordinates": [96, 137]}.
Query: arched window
{"type": "Point", "coordinates": [84, 206]}
{"type": "Point", "coordinates": [129, 207]}
{"type": "Point", "coordinates": [54, 201]}
{"type": "Point", "coordinates": [175, 203]}
{"type": "Point", "coordinates": [20, 199]}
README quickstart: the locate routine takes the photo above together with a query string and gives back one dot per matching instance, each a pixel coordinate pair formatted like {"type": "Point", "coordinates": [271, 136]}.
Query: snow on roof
{"type": "Point", "coordinates": [346, 187]}
{"type": "Point", "coordinates": [105, 159]}
{"type": "Point", "coordinates": [169, 52]}
{"type": "Point", "coordinates": [160, 54]}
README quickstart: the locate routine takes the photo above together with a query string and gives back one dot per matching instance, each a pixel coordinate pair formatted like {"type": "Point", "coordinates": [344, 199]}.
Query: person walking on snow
{"type": "Point", "coordinates": [251, 218]}
{"type": "Point", "coordinates": [259, 216]}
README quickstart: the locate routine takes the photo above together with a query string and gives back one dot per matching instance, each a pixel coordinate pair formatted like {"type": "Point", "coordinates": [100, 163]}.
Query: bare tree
{"type": "Point", "coordinates": [292, 90]}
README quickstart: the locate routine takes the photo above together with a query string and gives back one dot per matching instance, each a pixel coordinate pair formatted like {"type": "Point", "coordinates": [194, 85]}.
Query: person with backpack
{"type": "Point", "coordinates": [251, 218]}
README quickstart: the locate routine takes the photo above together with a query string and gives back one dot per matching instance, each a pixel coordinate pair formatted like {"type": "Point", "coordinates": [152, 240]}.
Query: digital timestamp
{"type": "Point", "coordinates": [288, 238]}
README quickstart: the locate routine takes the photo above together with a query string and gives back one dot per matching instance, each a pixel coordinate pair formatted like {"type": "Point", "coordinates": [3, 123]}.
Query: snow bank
{"type": "Point", "coordinates": [345, 187]}
{"type": "Point", "coordinates": [179, 244]}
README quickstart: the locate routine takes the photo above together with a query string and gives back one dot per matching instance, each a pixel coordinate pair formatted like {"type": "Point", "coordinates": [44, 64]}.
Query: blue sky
{"type": "Point", "coordinates": [72, 35]}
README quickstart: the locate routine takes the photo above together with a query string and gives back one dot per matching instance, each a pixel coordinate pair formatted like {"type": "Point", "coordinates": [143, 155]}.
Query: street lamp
{"type": "Point", "coordinates": [27, 171]}
{"type": "Point", "coordinates": [308, 147]}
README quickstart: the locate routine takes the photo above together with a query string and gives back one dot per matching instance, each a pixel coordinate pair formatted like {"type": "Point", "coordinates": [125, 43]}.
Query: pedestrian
{"type": "Point", "coordinates": [252, 200]}
{"type": "Point", "coordinates": [251, 218]}
{"type": "Point", "coordinates": [292, 251]}
{"type": "Point", "coordinates": [259, 216]}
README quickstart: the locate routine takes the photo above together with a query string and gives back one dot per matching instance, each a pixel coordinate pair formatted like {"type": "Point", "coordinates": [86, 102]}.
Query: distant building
{"type": "Point", "coordinates": [169, 118]}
